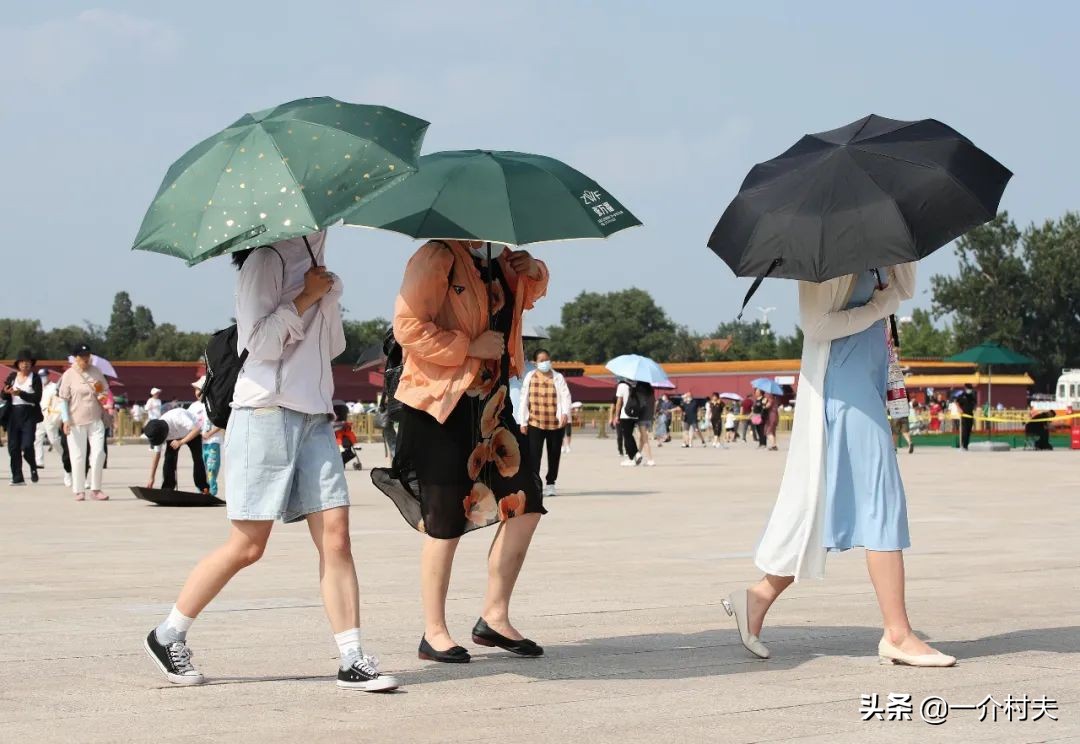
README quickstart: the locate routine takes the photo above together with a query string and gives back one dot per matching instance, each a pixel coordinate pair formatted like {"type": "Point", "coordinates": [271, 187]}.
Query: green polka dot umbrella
{"type": "Point", "coordinates": [280, 173]}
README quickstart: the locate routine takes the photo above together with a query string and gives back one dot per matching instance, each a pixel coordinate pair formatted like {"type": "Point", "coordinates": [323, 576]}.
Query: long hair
{"type": "Point", "coordinates": [239, 257]}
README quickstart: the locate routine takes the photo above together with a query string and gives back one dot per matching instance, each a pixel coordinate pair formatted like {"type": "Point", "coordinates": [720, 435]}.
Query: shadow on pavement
{"type": "Point", "coordinates": [719, 652]}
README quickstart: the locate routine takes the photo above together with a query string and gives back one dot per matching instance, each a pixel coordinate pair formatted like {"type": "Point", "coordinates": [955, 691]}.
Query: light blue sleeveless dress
{"type": "Point", "coordinates": [865, 503]}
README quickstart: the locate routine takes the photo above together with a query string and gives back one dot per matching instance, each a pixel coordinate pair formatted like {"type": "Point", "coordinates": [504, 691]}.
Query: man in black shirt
{"type": "Point", "coordinates": [967, 401]}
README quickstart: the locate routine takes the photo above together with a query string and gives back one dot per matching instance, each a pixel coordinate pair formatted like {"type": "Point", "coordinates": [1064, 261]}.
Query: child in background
{"type": "Point", "coordinates": [729, 426]}
{"type": "Point", "coordinates": [212, 437]}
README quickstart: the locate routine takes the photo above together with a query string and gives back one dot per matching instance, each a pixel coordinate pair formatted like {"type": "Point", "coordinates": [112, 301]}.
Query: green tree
{"type": "Point", "coordinates": [144, 322]}
{"type": "Point", "coordinates": [596, 327]}
{"type": "Point", "coordinates": [361, 334]}
{"type": "Point", "coordinates": [17, 334]}
{"type": "Point", "coordinates": [920, 337]}
{"type": "Point", "coordinates": [1020, 289]}
{"type": "Point", "coordinates": [121, 336]}
{"type": "Point", "coordinates": [790, 347]}
{"type": "Point", "coordinates": [755, 340]}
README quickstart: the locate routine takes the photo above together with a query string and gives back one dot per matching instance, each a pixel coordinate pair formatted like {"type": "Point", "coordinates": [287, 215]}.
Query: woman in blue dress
{"type": "Point", "coordinates": [842, 490]}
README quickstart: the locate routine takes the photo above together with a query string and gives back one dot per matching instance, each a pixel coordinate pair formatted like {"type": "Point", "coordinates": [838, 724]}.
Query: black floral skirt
{"type": "Point", "coordinates": [470, 472]}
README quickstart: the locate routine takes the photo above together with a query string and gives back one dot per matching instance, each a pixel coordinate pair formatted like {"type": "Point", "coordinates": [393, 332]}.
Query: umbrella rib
{"type": "Point", "coordinates": [889, 198]}
{"type": "Point", "coordinates": [438, 195]}
{"type": "Point", "coordinates": [935, 167]}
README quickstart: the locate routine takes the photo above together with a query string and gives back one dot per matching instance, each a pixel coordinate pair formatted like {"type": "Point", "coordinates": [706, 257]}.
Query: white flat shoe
{"type": "Point", "coordinates": [735, 606]}
{"type": "Point", "coordinates": [890, 654]}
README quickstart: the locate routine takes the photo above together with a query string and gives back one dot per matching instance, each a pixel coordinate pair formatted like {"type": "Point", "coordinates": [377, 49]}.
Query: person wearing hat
{"type": "Point", "coordinates": [212, 436]}
{"type": "Point", "coordinates": [153, 405]}
{"type": "Point", "coordinates": [48, 429]}
{"type": "Point", "coordinates": [84, 392]}
{"type": "Point", "coordinates": [22, 392]}
{"type": "Point", "coordinates": [175, 429]}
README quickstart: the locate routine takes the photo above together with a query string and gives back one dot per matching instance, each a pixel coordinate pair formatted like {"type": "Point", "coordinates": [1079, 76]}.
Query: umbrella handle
{"type": "Point", "coordinates": [314, 263]}
{"type": "Point", "coordinates": [892, 318]}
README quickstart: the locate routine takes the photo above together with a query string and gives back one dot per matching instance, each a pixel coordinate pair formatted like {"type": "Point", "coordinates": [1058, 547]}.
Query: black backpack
{"type": "Point", "coordinates": [640, 401]}
{"type": "Point", "coordinates": [223, 366]}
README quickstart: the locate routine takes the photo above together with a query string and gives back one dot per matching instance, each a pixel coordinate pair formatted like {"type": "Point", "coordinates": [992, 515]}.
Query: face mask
{"type": "Point", "coordinates": [544, 367]}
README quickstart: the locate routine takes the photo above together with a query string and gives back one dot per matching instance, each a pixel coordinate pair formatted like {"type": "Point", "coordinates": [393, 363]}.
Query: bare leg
{"type": "Point", "coordinates": [244, 546]}
{"type": "Point", "coordinates": [505, 559]}
{"type": "Point", "coordinates": [887, 574]}
{"type": "Point", "coordinates": [644, 444]}
{"type": "Point", "coordinates": [337, 573]}
{"type": "Point", "coordinates": [436, 562]}
{"type": "Point", "coordinates": [760, 598]}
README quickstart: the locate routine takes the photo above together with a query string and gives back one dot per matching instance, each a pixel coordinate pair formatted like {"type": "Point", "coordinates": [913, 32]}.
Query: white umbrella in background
{"type": "Point", "coordinates": [101, 363]}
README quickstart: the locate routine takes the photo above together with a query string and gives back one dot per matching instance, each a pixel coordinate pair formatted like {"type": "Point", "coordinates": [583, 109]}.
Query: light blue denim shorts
{"type": "Point", "coordinates": [281, 464]}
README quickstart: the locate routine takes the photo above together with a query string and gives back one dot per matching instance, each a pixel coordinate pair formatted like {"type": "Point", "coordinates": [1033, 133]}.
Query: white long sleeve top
{"type": "Point", "coordinates": [289, 354]}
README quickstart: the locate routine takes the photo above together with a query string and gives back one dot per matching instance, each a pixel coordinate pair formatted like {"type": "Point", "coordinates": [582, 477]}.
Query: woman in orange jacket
{"type": "Point", "coordinates": [461, 462]}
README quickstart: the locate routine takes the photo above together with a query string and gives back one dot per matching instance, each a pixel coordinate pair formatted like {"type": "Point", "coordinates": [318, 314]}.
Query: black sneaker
{"type": "Point", "coordinates": [174, 660]}
{"type": "Point", "coordinates": [363, 674]}
{"type": "Point", "coordinates": [34, 476]}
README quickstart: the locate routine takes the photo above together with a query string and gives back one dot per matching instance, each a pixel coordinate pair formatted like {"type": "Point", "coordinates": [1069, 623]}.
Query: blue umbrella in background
{"type": "Point", "coordinates": [640, 369]}
{"type": "Point", "coordinates": [768, 386]}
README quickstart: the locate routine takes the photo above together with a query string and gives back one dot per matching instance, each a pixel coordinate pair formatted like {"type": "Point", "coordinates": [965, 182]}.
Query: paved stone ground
{"type": "Point", "coordinates": [623, 587]}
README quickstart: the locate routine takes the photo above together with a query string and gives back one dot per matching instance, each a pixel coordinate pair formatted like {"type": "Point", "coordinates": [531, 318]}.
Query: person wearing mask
{"type": "Point", "coordinates": [462, 463]}
{"type": "Point", "coordinates": [283, 460]}
{"type": "Point", "coordinates": [625, 425]}
{"type": "Point", "coordinates": [662, 425]}
{"type": "Point", "coordinates": [22, 393]}
{"type": "Point", "coordinates": [841, 486]}
{"type": "Point", "coordinates": [746, 410]}
{"type": "Point", "coordinates": [647, 400]}
{"type": "Point", "coordinates": [691, 407]}
{"type": "Point", "coordinates": [153, 405]}
{"type": "Point", "coordinates": [716, 420]}
{"type": "Point", "coordinates": [48, 429]}
{"type": "Point", "coordinates": [83, 392]}
{"type": "Point", "coordinates": [544, 414]}
{"type": "Point", "coordinates": [772, 419]}
{"type": "Point", "coordinates": [176, 428]}
{"type": "Point", "coordinates": [967, 401]}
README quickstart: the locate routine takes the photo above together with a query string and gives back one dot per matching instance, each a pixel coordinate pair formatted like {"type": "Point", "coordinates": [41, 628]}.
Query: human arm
{"type": "Point", "coordinates": [532, 276]}
{"type": "Point", "coordinates": [212, 432]}
{"type": "Point", "coordinates": [153, 467]}
{"type": "Point", "coordinates": [563, 391]}
{"type": "Point", "coordinates": [821, 323]}
{"type": "Point", "coordinates": [423, 292]}
{"type": "Point", "coordinates": [178, 443]}
{"type": "Point", "coordinates": [266, 323]}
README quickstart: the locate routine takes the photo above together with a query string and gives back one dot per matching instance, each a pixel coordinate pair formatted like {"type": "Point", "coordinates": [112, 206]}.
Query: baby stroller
{"type": "Point", "coordinates": [346, 437]}
{"type": "Point", "coordinates": [1037, 432]}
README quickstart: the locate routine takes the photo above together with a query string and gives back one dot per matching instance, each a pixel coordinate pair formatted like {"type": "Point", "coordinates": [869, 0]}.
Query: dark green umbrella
{"type": "Point", "coordinates": [280, 173]}
{"type": "Point", "coordinates": [512, 198]}
{"type": "Point", "coordinates": [989, 353]}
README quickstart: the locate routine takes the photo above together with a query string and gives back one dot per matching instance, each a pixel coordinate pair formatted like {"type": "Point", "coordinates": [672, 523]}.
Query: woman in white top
{"type": "Point", "coordinates": [283, 460]}
{"type": "Point", "coordinates": [22, 391]}
{"type": "Point", "coordinates": [841, 487]}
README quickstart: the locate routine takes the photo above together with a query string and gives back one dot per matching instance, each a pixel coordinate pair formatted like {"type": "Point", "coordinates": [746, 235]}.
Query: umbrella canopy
{"type": "Point", "coordinates": [101, 363]}
{"type": "Point", "coordinates": [280, 173]}
{"type": "Point", "coordinates": [990, 353]}
{"type": "Point", "coordinates": [765, 385]}
{"type": "Point", "coordinates": [640, 369]}
{"type": "Point", "coordinates": [878, 192]}
{"type": "Point", "coordinates": [370, 356]}
{"type": "Point", "coordinates": [530, 332]}
{"type": "Point", "coordinates": [512, 198]}
{"type": "Point", "coordinates": [172, 497]}
{"type": "Point", "coordinates": [731, 396]}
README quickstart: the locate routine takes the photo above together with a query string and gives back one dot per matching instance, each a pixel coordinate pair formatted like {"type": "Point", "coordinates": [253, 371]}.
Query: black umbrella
{"type": "Point", "coordinates": [172, 497]}
{"type": "Point", "coordinates": [877, 192]}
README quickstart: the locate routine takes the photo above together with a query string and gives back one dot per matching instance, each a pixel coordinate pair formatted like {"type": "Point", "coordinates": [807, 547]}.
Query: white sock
{"type": "Point", "coordinates": [175, 627]}
{"type": "Point", "coordinates": [348, 643]}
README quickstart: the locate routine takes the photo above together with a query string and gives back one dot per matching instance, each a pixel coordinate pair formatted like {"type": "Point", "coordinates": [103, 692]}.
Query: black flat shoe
{"type": "Point", "coordinates": [483, 635]}
{"type": "Point", "coordinates": [452, 655]}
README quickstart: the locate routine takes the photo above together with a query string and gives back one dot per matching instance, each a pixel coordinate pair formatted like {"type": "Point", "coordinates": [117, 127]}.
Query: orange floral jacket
{"type": "Point", "coordinates": [441, 308]}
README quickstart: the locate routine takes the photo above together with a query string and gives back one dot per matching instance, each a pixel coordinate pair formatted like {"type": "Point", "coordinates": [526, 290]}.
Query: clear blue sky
{"type": "Point", "coordinates": [665, 104]}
